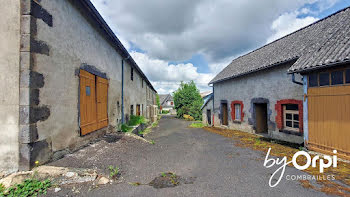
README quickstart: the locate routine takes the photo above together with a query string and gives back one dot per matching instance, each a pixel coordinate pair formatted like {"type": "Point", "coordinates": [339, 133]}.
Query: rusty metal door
{"type": "Point", "coordinates": [88, 122]}
{"type": "Point", "coordinates": [102, 102]}
{"type": "Point", "coordinates": [329, 120]}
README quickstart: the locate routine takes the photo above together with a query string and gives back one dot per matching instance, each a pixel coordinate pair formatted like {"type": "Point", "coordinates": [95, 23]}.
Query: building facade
{"type": "Point", "coordinates": [74, 80]}
{"type": "Point", "coordinates": [294, 89]}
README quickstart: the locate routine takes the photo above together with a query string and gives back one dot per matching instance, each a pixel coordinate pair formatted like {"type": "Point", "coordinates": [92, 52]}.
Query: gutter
{"type": "Point", "coordinates": [123, 88]}
{"type": "Point", "coordinates": [294, 81]}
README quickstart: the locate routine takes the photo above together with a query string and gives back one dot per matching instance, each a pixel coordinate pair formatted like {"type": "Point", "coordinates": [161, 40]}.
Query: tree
{"type": "Point", "coordinates": [188, 100]}
{"type": "Point", "coordinates": [158, 102]}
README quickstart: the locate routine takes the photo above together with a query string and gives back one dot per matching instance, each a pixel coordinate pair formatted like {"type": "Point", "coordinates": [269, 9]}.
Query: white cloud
{"type": "Point", "coordinates": [288, 23]}
{"type": "Point", "coordinates": [166, 78]}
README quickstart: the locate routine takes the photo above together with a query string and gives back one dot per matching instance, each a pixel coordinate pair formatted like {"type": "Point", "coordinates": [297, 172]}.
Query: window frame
{"type": "Point", "coordinates": [292, 112]}
{"type": "Point", "coordinates": [238, 106]}
{"type": "Point", "coordinates": [329, 71]}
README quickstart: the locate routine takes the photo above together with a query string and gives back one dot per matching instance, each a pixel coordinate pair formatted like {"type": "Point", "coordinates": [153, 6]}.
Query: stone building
{"type": "Point", "coordinates": [167, 103]}
{"type": "Point", "coordinates": [266, 91]}
{"type": "Point", "coordinates": [66, 79]}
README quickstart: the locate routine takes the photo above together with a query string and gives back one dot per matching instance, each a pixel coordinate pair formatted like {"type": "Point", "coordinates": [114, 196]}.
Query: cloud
{"type": "Point", "coordinates": [166, 78]}
{"type": "Point", "coordinates": [174, 30]}
{"type": "Point", "coordinates": [288, 23]}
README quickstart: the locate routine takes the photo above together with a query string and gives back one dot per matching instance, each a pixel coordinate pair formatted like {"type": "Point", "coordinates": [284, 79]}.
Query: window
{"type": "Point", "coordinates": [132, 74]}
{"type": "Point", "coordinates": [347, 76]}
{"type": "Point", "coordinates": [324, 79]}
{"type": "Point", "coordinates": [313, 81]}
{"type": "Point", "coordinates": [238, 112]}
{"type": "Point", "coordinates": [172, 103]}
{"type": "Point", "coordinates": [337, 77]}
{"type": "Point", "coordinates": [291, 117]}
{"type": "Point", "coordinates": [131, 109]}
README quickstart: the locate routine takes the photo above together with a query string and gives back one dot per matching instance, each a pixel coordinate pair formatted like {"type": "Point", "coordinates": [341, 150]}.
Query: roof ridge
{"type": "Point", "coordinates": [265, 45]}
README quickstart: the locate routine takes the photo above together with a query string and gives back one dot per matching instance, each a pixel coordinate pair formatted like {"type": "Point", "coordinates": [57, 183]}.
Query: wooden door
{"type": "Point", "coordinates": [261, 118]}
{"type": "Point", "coordinates": [329, 120]}
{"type": "Point", "coordinates": [138, 112]}
{"type": "Point", "coordinates": [88, 122]}
{"type": "Point", "coordinates": [224, 114]}
{"type": "Point", "coordinates": [102, 102]}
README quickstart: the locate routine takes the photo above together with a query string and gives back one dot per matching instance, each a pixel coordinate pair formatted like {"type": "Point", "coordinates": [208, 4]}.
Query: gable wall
{"type": "Point", "coordinates": [271, 85]}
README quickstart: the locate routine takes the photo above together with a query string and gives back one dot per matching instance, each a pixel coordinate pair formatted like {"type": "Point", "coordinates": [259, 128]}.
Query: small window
{"type": "Point", "coordinates": [88, 90]}
{"type": "Point", "coordinates": [313, 82]}
{"type": "Point", "coordinates": [172, 103]}
{"type": "Point", "coordinates": [132, 74]}
{"type": "Point", "coordinates": [324, 79]}
{"type": "Point", "coordinates": [337, 77]}
{"type": "Point", "coordinates": [291, 117]}
{"type": "Point", "coordinates": [347, 76]}
{"type": "Point", "coordinates": [131, 109]}
{"type": "Point", "coordinates": [238, 112]}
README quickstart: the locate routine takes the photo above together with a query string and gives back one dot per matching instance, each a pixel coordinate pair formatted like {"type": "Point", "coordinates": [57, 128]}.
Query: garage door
{"type": "Point", "coordinates": [93, 102]}
{"type": "Point", "coordinates": [329, 120]}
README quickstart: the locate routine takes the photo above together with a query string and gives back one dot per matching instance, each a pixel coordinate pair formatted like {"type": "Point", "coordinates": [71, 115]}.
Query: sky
{"type": "Point", "coordinates": [182, 40]}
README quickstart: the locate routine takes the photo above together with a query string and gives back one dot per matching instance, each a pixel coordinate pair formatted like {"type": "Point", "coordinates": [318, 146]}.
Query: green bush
{"type": "Point", "coordinates": [188, 101]}
{"type": "Point", "coordinates": [136, 120]}
{"type": "Point", "coordinates": [125, 128]}
{"type": "Point", "coordinates": [30, 187]}
{"type": "Point", "coordinates": [165, 111]}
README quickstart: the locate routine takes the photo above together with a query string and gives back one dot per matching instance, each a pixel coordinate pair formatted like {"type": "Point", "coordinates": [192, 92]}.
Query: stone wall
{"type": "Point", "coordinates": [9, 94]}
{"type": "Point", "coordinates": [62, 40]}
{"type": "Point", "coordinates": [267, 86]}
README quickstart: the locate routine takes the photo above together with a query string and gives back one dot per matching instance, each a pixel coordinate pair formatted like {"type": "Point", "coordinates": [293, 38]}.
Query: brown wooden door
{"type": "Point", "coordinates": [138, 112]}
{"type": "Point", "coordinates": [329, 120]}
{"type": "Point", "coordinates": [102, 102]}
{"type": "Point", "coordinates": [224, 114]}
{"type": "Point", "coordinates": [261, 118]}
{"type": "Point", "coordinates": [88, 122]}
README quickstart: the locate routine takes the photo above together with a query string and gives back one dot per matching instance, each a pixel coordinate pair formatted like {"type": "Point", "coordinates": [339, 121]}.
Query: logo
{"type": "Point", "coordinates": [270, 162]}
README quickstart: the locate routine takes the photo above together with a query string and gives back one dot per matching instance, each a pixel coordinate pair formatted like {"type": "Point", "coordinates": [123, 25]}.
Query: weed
{"type": "Point", "coordinates": [163, 174]}
{"type": "Point", "coordinates": [301, 148]}
{"type": "Point", "coordinates": [113, 171]}
{"type": "Point", "coordinates": [197, 125]}
{"type": "Point", "coordinates": [30, 187]}
{"type": "Point", "coordinates": [153, 142]}
{"type": "Point", "coordinates": [257, 141]}
{"type": "Point", "coordinates": [165, 111]}
{"type": "Point", "coordinates": [136, 120]}
{"type": "Point", "coordinates": [155, 124]}
{"type": "Point", "coordinates": [125, 128]}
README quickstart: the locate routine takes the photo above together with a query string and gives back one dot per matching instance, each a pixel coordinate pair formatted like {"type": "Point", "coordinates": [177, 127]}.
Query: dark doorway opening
{"type": "Point", "coordinates": [224, 111]}
{"type": "Point", "coordinates": [209, 116]}
{"type": "Point", "coordinates": [261, 117]}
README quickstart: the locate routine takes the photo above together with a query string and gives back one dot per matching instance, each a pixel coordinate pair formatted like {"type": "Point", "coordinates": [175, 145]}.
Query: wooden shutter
{"type": "Point", "coordinates": [102, 102]}
{"type": "Point", "coordinates": [88, 121]}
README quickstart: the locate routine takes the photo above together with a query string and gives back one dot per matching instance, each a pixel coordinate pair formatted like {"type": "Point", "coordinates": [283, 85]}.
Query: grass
{"type": "Point", "coordinates": [30, 187]}
{"type": "Point", "coordinates": [197, 125]}
{"type": "Point", "coordinates": [125, 128]}
{"type": "Point", "coordinates": [254, 142]}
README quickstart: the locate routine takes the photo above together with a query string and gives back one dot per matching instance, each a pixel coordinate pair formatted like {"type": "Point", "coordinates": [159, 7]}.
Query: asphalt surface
{"type": "Point", "coordinates": [216, 166]}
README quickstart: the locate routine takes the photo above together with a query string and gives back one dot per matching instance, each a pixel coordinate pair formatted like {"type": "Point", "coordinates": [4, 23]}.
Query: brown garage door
{"type": "Point", "coordinates": [93, 102]}
{"type": "Point", "coordinates": [329, 120]}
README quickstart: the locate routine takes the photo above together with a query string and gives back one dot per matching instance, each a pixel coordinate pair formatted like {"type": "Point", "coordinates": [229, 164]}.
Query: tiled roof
{"type": "Point", "coordinates": [163, 98]}
{"type": "Point", "coordinates": [324, 41]}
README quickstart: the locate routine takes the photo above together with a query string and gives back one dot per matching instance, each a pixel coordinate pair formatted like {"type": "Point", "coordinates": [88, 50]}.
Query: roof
{"type": "Point", "coordinates": [204, 94]}
{"type": "Point", "coordinates": [326, 40]}
{"type": "Point", "coordinates": [210, 97]}
{"type": "Point", "coordinates": [163, 98]}
{"type": "Point", "coordinates": [88, 8]}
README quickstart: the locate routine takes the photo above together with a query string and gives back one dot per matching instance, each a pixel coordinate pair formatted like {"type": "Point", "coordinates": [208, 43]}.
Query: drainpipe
{"type": "Point", "coordinates": [123, 87]}
{"type": "Point", "coordinates": [294, 81]}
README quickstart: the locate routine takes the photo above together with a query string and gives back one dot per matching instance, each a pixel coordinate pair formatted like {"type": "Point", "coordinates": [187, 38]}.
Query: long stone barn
{"type": "Point", "coordinates": [65, 80]}
{"type": "Point", "coordinates": [295, 89]}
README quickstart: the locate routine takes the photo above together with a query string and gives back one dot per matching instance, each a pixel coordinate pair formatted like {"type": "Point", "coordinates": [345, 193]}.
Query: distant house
{"type": "Point", "coordinates": [207, 109]}
{"type": "Point", "coordinates": [295, 89]}
{"type": "Point", "coordinates": [166, 102]}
